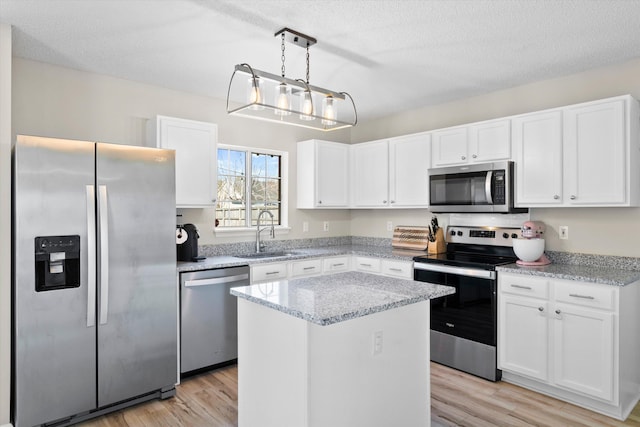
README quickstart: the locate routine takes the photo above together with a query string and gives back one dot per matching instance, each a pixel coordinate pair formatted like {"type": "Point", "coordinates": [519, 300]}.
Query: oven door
{"type": "Point", "coordinates": [471, 312]}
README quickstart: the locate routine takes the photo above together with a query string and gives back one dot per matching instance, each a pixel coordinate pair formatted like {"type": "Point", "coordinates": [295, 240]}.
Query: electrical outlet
{"type": "Point", "coordinates": [389, 226]}
{"type": "Point", "coordinates": [305, 227]}
{"type": "Point", "coordinates": [325, 226]}
{"type": "Point", "coordinates": [377, 343]}
{"type": "Point", "coordinates": [563, 232]}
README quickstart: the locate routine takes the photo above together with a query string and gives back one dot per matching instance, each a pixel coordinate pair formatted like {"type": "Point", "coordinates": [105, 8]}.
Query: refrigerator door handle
{"type": "Point", "coordinates": [103, 214]}
{"type": "Point", "coordinates": [91, 256]}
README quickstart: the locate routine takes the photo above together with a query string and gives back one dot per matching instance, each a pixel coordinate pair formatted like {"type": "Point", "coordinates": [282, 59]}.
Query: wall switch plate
{"type": "Point", "coordinates": [389, 226]}
{"type": "Point", "coordinates": [325, 226]}
{"type": "Point", "coordinates": [563, 232]}
{"type": "Point", "coordinates": [305, 226]}
{"type": "Point", "coordinates": [377, 343]}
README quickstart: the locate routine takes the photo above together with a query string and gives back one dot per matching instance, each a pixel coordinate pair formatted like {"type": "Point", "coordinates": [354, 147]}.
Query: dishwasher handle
{"type": "Point", "coordinates": [216, 280]}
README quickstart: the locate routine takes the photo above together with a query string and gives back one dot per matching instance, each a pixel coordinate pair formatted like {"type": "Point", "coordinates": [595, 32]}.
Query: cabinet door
{"type": "Point", "coordinates": [490, 141]}
{"type": "Point", "coordinates": [523, 336]}
{"type": "Point", "coordinates": [584, 350]}
{"type": "Point", "coordinates": [332, 174]}
{"type": "Point", "coordinates": [195, 146]}
{"type": "Point", "coordinates": [409, 160]}
{"type": "Point", "coordinates": [537, 147]}
{"type": "Point", "coordinates": [449, 147]}
{"type": "Point", "coordinates": [595, 152]}
{"type": "Point", "coordinates": [370, 174]}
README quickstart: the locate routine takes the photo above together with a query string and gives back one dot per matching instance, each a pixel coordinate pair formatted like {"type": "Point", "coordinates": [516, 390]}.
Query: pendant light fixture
{"type": "Point", "coordinates": [314, 107]}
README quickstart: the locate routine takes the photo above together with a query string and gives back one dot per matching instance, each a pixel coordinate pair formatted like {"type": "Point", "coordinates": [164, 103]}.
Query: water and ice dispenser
{"type": "Point", "coordinates": [57, 262]}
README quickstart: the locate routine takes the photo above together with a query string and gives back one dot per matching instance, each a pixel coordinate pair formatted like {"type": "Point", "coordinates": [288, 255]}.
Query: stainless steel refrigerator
{"type": "Point", "coordinates": [94, 276]}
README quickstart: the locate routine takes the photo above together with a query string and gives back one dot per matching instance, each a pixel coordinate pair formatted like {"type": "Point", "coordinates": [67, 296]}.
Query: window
{"type": "Point", "coordinates": [250, 181]}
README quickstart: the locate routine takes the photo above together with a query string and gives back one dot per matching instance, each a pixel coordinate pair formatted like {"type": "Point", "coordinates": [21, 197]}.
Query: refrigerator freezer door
{"type": "Point", "coordinates": [137, 344]}
{"type": "Point", "coordinates": [55, 341]}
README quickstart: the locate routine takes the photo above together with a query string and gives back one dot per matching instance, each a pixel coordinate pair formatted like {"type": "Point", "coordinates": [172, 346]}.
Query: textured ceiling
{"type": "Point", "coordinates": [389, 55]}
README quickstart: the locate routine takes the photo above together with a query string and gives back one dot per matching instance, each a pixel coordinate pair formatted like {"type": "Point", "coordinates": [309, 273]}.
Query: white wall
{"type": "Point", "coordinates": [612, 231]}
{"type": "Point", "coordinates": [5, 222]}
{"type": "Point", "coordinates": [60, 102]}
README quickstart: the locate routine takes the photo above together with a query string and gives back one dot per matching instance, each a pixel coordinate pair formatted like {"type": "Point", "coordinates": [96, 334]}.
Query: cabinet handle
{"type": "Point", "coordinates": [475, 156]}
{"type": "Point", "coordinates": [393, 201]}
{"type": "Point", "coordinates": [540, 308]}
{"type": "Point", "coordinates": [337, 265]}
{"type": "Point", "coordinates": [581, 296]}
{"type": "Point", "coordinates": [384, 202]}
{"type": "Point", "coordinates": [395, 269]}
{"type": "Point", "coordinates": [365, 265]}
{"type": "Point", "coordinates": [521, 287]}
{"type": "Point", "coordinates": [556, 197]}
{"type": "Point", "coordinates": [319, 202]}
{"type": "Point", "coordinates": [463, 158]}
{"type": "Point", "coordinates": [309, 268]}
{"type": "Point", "coordinates": [450, 325]}
{"type": "Point", "coordinates": [573, 197]}
{"type": "Point", "coordinates": [214, 200]}
{"type": "Point", "coordinates": [558, 311]}
{"type": "Point", "coordinates": [270, 273]}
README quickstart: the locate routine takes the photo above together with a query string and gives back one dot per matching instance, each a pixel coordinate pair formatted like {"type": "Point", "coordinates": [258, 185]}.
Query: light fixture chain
{"type": "Point", "coordinates": [307, 64]}
{"type": "Point", "coordinates": [282, 48]}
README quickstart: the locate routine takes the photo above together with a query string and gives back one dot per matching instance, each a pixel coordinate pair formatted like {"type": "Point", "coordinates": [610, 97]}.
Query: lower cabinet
{"type": "Point", "coordinates": [571, 339]}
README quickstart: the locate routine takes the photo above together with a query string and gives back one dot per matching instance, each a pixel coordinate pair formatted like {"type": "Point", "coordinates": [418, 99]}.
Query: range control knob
{"type": "Point", "coordinates": [453, 232]}
{"type": "Point", "coordinates": [459, 233]}
{"type": "Point", "coordinates": [505, 235]}
{"type": "Point", "coordinates": [514, 236]}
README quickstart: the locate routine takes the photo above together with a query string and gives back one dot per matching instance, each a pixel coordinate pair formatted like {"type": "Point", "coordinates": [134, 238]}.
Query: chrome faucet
{"type": "Point", "coordinates": [259, 245]}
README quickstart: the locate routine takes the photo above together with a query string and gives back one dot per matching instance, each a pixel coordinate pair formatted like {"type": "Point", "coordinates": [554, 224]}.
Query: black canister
{"type": "Point", "coordinates": [187, 249]}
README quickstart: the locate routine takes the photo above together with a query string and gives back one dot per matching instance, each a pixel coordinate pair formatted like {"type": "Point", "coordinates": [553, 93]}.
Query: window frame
{"type": "Point", "coordinates": [247, 229]}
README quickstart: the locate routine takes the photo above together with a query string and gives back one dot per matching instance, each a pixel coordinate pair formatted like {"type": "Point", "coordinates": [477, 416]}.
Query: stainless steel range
{"type": "Point", "coordinates": [464, 325]}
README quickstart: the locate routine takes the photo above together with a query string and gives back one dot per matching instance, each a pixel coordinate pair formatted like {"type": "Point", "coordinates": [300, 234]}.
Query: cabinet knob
{"type": "Point", "coordinates": [573, 197]}
{"type": "Point", "coordinates": [384, 201]}
{"type": "Point", "coordinates": [558, 311]}
{"type": "Point", "coordinates": [556, 197]}
{"type": "Point", "coordinates": [393, 201]}
{"type": "Point", "coordinates": [319, 202]}
{"type": "Point", "coordinates": [540, 308]}
{"type": "Point", "coordinates": [475, 156]}
{"type": "Point", "coordinates": [464, 158]}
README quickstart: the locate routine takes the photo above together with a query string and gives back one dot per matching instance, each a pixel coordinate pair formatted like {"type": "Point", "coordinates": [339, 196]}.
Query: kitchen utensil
{"type": "Point", "coordinates": [530, 248]}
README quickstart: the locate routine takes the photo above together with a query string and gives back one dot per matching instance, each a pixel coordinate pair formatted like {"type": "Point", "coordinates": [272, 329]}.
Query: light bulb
{"type": "Point", "coordinates": [283, 99]}
{"type": "Point", "coordinates": [329, 112]}
{"type": "Point", "coordinates": [255, 93]}
{"type": "Point", "coordinates": [306, 105]}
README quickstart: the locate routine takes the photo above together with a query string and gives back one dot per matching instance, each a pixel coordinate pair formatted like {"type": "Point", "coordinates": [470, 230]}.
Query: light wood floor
{"type": "Point", "coordinates": [457, 399]}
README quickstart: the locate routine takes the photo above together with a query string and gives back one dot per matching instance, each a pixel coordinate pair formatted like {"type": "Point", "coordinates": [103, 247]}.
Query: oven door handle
{"type": "Point", "coordinates": [461, 271]}
{"type": "Point", "coordinates": [487, 187]}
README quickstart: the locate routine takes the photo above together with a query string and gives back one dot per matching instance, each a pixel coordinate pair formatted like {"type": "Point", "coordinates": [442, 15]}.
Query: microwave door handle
{"type": "Point", "coordinates": [487, 187]}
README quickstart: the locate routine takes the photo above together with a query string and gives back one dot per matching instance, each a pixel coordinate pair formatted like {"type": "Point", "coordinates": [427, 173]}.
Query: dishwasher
{"type": "Point", "coordinates": [208, 313]}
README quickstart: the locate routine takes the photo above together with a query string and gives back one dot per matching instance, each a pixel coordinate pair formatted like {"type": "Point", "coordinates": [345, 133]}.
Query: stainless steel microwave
{"type": "Point", "coordinates": [484, 187]}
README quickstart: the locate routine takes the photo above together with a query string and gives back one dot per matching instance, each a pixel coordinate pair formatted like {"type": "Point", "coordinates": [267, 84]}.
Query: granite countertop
{"type": "Point", "coordinates": [301, 253]}
{"type": "Point", "coordinates": [584, 273]}
{"type": "Point", "coordinates": [334, 298]}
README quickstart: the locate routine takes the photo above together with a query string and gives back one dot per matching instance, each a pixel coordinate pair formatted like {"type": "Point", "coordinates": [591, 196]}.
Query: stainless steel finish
{"type": "Point", "coordinates": [487, 187]}
{"type": "Point", "coordinates": [103, 214]}
{"type": "Point", "coordinates": [64, 363]}
{"type": "Point", "coordinates": [461, 271]}
{"type": "Point", "coordinates": [521, 287]}
{"type": "Point", "coordinates": [54, 355]}
{"type": "Point", "coordinates": [91, 256]}
{"type": "Point", "coordinates": [581, 296]}
{"type": "Point", "coordinates": [209, 316]}
{"type": "Point", "coordinates": [260, 246]}
{"type": "Point", "coordinates": [465, 355]}
{"type": "Point", "coordinates": [462, 234]}
{"type": "Point", "coordinates": [137, 348]}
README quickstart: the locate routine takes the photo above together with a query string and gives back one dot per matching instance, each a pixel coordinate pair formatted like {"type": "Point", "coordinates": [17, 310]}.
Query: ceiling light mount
{"type": "Point", "coordinates": [250, 98]}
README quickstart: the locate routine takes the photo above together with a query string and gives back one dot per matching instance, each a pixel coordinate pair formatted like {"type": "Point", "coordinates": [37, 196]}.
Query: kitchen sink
{"type": "Point", "coordinates": [259, 255]}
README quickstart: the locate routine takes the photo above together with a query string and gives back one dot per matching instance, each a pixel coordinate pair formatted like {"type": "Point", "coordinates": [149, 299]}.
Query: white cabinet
{"type": "Point", "coordinates": [571, 339]}
{"type": "Point", "coordinates": [196, 165]}
{"type": "Point", "coordinates": [323, 174]}
{"type": "Point", "coordinates": [396, 268]}
{"type": "Point", "coordinates": [306, 267]}
{"type": "Point", "coordinates": [391, 173]}
{"type": "Point", "coordinates": [268, 272]}
{"type": "Point", "coordinates": [579, 155]}
{"type": "Point", "coordinates": [336, 264]}
{"type": "Point", "coordinates": [537, 148]}
{"type": "Point", "coordinates": [367, 264]}
{"type": "Point", "coordinates": [474, 143]}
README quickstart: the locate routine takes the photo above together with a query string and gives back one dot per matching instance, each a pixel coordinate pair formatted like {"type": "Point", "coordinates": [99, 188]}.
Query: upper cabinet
{"type": "Point", "coordinates": [391, 173]}
{"type": "Point", "coordinates": [323, 174]}
{"type": "Point", "coordinates": [196, 166]}
{"type": "Point", "coordinates": [474, 143]}
{"type": "Point", "coordinates": [580, 155]}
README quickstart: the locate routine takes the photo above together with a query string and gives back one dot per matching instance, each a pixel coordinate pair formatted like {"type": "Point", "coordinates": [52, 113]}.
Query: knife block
{"type": "Point", "coordinates": [439, 246]}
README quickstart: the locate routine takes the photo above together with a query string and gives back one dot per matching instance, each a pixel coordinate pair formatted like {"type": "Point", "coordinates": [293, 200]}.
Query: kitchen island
{"type": "Point", "coordinates": [345, 349]}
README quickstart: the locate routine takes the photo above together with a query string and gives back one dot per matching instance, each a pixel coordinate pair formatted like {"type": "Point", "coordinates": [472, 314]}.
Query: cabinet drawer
{"type": "Point", "coordinates": [534, 287]}
{"type": "Point", "coordinates": [401, 269]}
{"type": "Point", "coordinates": [306, 267]}
{"type": "Point", "coordinates": [335, 264]}
{"type": "Point", "coordinates": [585, 294]}
{"type": "Point", "coordinates": [268, 272]}
{"type": "Point", "coordinates": [367, 264]}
